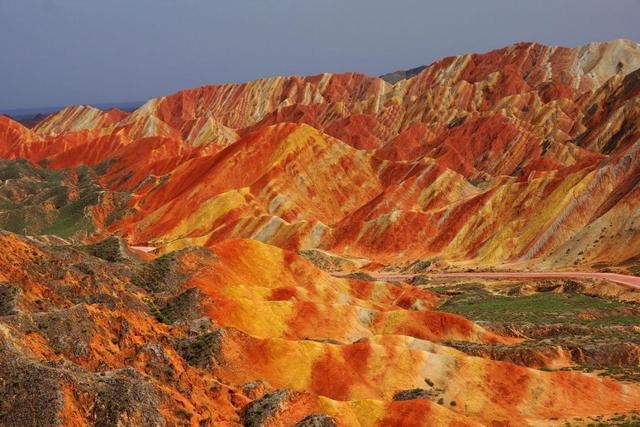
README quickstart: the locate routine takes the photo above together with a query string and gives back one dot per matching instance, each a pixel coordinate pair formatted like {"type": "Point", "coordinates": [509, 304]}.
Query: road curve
{"type": "Point", "coordinates": [631, 281]}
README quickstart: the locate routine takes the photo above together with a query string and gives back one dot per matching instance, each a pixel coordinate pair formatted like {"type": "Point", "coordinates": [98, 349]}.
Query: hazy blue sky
{"type": "Point", "coordinates": [57, 52]}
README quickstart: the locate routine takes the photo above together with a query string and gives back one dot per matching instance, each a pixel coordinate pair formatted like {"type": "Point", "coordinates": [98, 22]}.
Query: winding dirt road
{"type": "Point", "coordinates": [631, 281]}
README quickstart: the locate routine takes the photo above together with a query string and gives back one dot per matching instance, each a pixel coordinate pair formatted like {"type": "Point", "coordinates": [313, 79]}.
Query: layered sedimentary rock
{"type": "Point", "coordinates": [247, 332]}
{"type": "Point", "coordinates": [527, 154]}
{"type": "Point", "coordinates": [523, 153]}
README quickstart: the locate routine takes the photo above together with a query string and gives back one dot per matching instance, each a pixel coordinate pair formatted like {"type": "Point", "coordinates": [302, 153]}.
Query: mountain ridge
{"type": "Point", "coordinates": [532, 129]}
{"type": "Point", "coordinates": [177, 264]}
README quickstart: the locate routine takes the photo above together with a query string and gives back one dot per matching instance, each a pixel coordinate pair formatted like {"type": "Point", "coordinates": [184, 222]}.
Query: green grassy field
{"type": "Point", "coordinates": [475, 302]}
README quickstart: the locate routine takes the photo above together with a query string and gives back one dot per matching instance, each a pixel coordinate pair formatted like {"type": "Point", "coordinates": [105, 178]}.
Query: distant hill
{"type": "Point", "coordinates": [29, 117]}
{"type": "Point", "coordinates": [398, 75]}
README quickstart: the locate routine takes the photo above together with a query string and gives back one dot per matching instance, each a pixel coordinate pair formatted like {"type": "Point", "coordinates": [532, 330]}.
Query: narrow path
{"type": "Point", "coordinates": [631, 281]}
{"type": "Point", "coordinates": [143, 248]}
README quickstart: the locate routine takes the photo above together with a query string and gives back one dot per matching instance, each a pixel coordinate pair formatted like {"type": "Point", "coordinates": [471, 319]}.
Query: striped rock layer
{"type": "Point", "coordinates": [524, 153]}
{"type": "Point", "coordinates": [248, 332]}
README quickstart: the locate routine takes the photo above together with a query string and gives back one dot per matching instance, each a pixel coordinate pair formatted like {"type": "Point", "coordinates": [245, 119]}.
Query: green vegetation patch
{"type": "Point", "coordinates": [635, 270]}
{"type": "Point", "coordinates": [34, 200]}
{"type": "Point", "coordinates": [477, 182]}
{"type": "Point", "coordinates": [158, 275]}
{"type": "Point", "coordinates": [622, 373]}
{"type": "Point", "coordinates": [20, 168]}
{"type": "Point", "coordinates": [200, 350]}
{"type": "Point", "coordinates": [259, 411]}
{"type": "Point", "coordinates": [159, 314]}
{"type": "Point", "coordinates": [108, 249]}
{"type": "Point", "coordinates": [360, 275]}
{"type": "Point", "coordinates": [475, 302]}
{"type": "Point", "coordinates": [620, 420]}
{"type": "Point", "coordinates": [71, 217]}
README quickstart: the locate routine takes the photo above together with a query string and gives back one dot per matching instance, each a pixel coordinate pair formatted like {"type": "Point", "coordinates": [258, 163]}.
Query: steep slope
{"type": "Point", "coordinates": [267, 185]}
{"type": "Point", "coordinates": [75, 118]}
{"type": "Point", "coordinates": [504, 156]}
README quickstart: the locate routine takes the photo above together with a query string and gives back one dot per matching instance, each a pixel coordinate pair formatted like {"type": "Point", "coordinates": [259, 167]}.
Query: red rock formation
{"type": "Point", "coordinates": [252, 331]}
{"type": "Point", "coordinates": [494, 157]}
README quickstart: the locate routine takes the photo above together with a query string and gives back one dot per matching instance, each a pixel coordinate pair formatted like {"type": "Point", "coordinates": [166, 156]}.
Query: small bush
{"type": "Point", "coordinates": [107, 249]}
{"type": "Point", "coordinates": [360, 275]}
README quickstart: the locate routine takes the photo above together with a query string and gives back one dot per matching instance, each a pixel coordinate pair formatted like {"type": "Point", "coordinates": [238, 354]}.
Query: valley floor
{"type": "Point", "coordinates": [628, 280]}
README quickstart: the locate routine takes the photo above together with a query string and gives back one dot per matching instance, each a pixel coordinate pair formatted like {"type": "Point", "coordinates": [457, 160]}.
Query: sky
{"type": "Point", "coordinates": [61, 52]}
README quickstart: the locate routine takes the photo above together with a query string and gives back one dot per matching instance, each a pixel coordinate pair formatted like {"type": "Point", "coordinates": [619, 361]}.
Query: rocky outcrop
{"type": "Point", "coordinates": [8, 299]}
{"type": "Point", "coordinates": [51, 393]}
{"type": "Point", "coordinates": [317, 420]}
{"type": "Point", "coordinates": [563, 345]}
{"type": "Point", "coordinates": [258, 412]}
